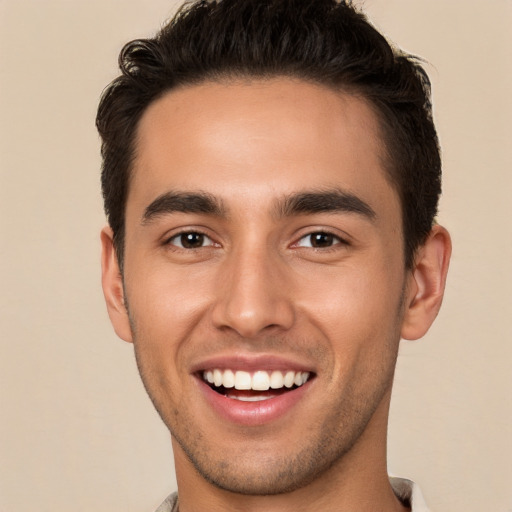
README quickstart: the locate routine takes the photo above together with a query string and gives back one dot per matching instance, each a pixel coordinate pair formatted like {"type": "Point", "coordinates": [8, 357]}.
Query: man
{"type": "Point", "coordinates": [271, 175]}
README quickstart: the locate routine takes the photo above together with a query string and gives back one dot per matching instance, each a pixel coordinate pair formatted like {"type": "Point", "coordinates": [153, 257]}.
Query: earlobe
{"type": "Point", "coordinates": [113, 288]}
{"type": "Point", "coordinates": [427, 283]}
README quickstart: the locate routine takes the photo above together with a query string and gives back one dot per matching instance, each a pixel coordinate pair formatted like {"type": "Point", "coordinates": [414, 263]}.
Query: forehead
{"type": "Point", "coordinates": [257, 138]}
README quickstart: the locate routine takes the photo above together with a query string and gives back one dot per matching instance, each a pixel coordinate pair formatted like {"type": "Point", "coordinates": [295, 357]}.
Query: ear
{"type": "Point", "coordinates": [113, 288]}
{"type": "Point", "coordinates": [426, 285]}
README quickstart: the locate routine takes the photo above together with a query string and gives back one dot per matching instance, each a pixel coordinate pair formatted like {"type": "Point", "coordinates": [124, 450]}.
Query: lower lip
{"type": "Point", "coordinates": [253, 413]}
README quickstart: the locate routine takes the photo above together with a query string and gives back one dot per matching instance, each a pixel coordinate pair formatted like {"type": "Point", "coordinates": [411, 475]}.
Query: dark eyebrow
{"type": "Point", "coordinates": [324, 201]}
{"type": "Point", "coordinates": [183, 202]}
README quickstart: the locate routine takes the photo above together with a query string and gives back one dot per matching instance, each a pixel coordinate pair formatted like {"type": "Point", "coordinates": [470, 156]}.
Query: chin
{"type": "Point", "coordinates": [262, 472]}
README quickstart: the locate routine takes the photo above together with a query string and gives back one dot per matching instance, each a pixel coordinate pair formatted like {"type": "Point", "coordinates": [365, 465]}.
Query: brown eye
{"type": "Point", "coordinates": [319, 240]}
{"type": "Point", "coordinates": [191, 240]}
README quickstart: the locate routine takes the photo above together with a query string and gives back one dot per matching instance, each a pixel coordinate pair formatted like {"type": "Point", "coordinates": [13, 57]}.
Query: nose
{"type": "Point", "coordinates": [253, 295]}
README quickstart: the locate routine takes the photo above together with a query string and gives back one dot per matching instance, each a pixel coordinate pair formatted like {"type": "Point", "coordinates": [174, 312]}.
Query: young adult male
{"type": "Point", "coordinates": [271, 176]}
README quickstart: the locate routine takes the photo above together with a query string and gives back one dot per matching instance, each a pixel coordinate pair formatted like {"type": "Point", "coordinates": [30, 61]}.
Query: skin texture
{"type": "Point", "coordinates": [257, 287]}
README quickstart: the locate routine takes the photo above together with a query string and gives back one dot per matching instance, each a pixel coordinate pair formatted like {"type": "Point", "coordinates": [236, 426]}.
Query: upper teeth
{"type": "Point", "coordinates": [260, 380]}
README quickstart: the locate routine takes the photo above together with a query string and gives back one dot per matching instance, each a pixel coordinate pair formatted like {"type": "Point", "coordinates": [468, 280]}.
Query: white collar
{"type": "Point", "coordinates": [408, 491]}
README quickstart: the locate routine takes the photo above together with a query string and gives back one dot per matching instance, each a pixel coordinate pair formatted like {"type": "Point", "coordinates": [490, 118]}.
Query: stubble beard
{"type": "Point", "coordinates": [270, 475]}
{"type": "Point", "coordinates": [262, 473]}
{"type": "Point", "coordinates": [235, 472]}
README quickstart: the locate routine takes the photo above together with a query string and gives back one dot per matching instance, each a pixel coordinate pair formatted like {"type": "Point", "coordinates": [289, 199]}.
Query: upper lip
{"type": "Point", "coordinates": [252, 363]}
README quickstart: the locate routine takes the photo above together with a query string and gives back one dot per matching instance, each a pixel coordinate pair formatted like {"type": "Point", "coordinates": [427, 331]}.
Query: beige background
{"type": "Point", "coordinates": [76, 429]}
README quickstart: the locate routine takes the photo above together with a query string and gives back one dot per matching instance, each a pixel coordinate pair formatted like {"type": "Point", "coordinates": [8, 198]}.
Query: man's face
{"type": "Point", "coordinates": [262, 237]}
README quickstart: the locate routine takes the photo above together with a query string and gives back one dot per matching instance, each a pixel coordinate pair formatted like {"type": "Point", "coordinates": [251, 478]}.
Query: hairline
{"type": "Point", "coordinates": [385, 155]}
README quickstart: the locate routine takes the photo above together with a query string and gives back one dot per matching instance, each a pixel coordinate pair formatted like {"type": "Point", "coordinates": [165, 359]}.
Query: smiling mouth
{"type": "Point", "coordinates": [254, 386]}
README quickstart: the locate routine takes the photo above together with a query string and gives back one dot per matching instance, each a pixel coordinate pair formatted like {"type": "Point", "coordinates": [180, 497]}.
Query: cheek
{"type": "Point", "coordinates": [352, 293]}
{"type": "Point", "coordinates": [165, 308]}
{"type": "Point", "coordinates": [163, 297]}
{"type": "Point", "coordinates": [356, 309]}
